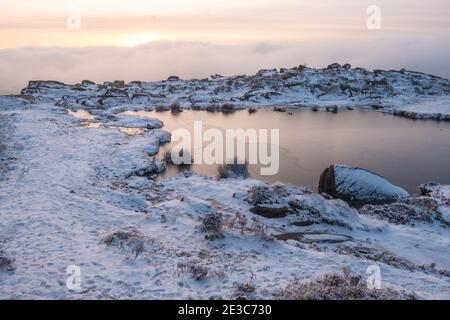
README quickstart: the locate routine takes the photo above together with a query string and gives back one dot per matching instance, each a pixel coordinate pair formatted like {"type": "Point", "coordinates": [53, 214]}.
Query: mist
{"type": "Point", "coordinates": [158, 60]}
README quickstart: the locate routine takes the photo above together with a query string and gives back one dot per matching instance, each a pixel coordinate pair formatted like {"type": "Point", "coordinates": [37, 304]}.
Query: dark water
{"type": "Point", "coordinates": [405, 151]}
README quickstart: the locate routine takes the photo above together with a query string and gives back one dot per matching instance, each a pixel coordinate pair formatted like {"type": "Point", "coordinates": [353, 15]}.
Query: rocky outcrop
{"type": "Point", "coordinates": [337, 85]}
{"type": "Point", "coordinates": [88, 83]}
{"type": "Point", "coordinates": [334, 66]}
{"type": "Point", "coordinates": [436, 190]}
{"type": "Point", "coordinates": [357, 184]}
{"type": "Point", "coordinates": [327, 182]}
{"type": "Point", "coordinates": [408, 211]}
{"type": "Point", "coordinates": [301, 208]}
{"type": "Point", "coordinates": [36, 84]}
{"type": "Point", "coordinates": [270, 212]}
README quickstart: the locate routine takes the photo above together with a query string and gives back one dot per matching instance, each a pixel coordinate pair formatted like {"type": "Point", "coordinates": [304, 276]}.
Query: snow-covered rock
{"type": "Point", "coordinates": [128, 121]}
{"type": "Point", "coordinates": [335, 86]}
{"type": "Point", "coordinates": [357, 184]}
{"type": "Point", "coordinates": [441, 192]}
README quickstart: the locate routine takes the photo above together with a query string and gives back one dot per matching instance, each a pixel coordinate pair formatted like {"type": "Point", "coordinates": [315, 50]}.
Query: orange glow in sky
{"type": "Point", "coordinates": [78, 23]}
{"type": "Point", "coordinates": [100, 40]}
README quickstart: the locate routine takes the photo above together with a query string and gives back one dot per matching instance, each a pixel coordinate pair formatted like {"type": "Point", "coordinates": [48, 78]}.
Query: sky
{"type": "Point", "coordinates": [149, 40]}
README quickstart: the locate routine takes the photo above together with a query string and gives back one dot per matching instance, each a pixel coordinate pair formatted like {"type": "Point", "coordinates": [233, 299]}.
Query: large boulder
{"type": "Point", "coordinates": [356, 184]}
{"type": "Point", "coordinates": [88, 83]}
{"type": "Point", "coordinates": [436, 190]}
{"type": "Point", "coordinates": [334, 66]}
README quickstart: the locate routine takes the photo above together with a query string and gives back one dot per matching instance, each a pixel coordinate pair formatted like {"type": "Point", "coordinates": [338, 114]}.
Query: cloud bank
{"type": "Point", "coordinates": [158, 60]}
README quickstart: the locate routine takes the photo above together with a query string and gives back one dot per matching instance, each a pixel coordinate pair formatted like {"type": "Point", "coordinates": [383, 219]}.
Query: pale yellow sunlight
{"type": "Point", "coordinates": [139, 39]}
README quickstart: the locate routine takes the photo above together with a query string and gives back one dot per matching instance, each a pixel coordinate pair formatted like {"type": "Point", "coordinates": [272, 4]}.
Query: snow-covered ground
{"type": "Point", "coordinates": [73, 194]}
{"type": "Point", "coordinates": [77, 188]}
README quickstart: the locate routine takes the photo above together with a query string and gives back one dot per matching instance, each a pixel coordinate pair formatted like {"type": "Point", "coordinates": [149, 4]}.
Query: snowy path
{"type": "Point", "coordinates": [44, 224]}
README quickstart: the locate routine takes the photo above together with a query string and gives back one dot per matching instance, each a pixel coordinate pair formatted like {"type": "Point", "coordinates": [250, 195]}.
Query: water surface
{"type": "Point", "coordinates": [405, 151]}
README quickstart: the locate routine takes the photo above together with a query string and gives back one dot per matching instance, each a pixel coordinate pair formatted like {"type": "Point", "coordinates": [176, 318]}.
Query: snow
{"type": "Point", "coordinates": [82, 114]}
{"type": "Point", "coordinates": [389, 91]}
{"type": "Point", "coordinates": [436, 190]}
{"type": "Point", "coordinates": [430, 106]}
{"type": "Point", "coordinates": [134, 122]}
{"type": "Point", "coordinates": [426, 108]}
{"type": "Point", "coordinates": [362, 185]}
{"type": "Point", "coordinates": [66, 188]}
{"type": "Point", "coordinates": [441, 192]}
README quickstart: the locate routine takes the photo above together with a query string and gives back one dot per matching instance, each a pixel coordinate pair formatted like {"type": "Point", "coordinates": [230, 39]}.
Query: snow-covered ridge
{"type": "Point", "coordinates": [334, 86]}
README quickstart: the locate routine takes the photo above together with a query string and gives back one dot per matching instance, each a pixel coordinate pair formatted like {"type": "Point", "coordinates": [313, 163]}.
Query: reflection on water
{"type": "Point", "coordinates": [94, 125]}
{"type": "Point", "coordinates": [126, 130]}
{"type": "Point", "coordinates": [81, 114]}
{"type": "Point", "coordinates": [406, 152]}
